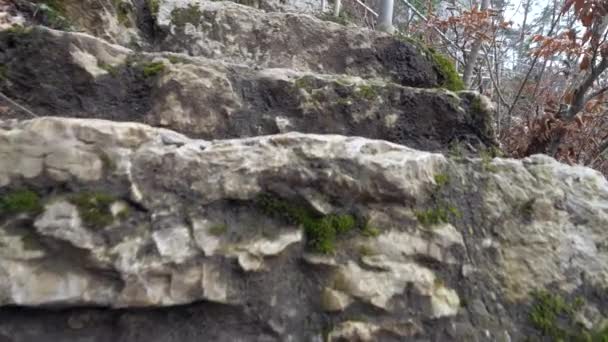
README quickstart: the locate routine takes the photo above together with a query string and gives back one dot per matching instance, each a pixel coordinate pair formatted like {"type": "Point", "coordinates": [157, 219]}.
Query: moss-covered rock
{"type": "Point", "coordinates": [321, 231]}
{"type": "Point", "coordinates": [20, 201]}
{"type": "Point", "coordinates": [152, 69]}
{"type": "Point", "coordinates": [188, 15]}
{"type": "Point", "coordinates": [94, 208]}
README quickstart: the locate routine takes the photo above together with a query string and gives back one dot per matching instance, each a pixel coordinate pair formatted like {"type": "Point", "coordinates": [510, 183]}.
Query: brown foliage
{"type": "Point", "coordinates": [581, 143]}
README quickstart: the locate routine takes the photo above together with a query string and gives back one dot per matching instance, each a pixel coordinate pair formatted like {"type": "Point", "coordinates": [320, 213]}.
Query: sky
{"type": "Point", "coordinates": [515, 12]}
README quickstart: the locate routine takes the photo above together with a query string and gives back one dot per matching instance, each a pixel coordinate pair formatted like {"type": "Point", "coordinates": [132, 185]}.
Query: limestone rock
{"type": "Point", "coordinates": [241, 34]}
{"type": "Point", "coordinates": [180, 223]}
{"type": "Point", "coordinates": [214, 99]}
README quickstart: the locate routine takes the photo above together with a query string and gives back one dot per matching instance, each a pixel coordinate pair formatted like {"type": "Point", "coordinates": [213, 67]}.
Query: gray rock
{"type": "Point", "coordinates": [194, 232]}
{"type": "Point", "coordinates": [214, 99]}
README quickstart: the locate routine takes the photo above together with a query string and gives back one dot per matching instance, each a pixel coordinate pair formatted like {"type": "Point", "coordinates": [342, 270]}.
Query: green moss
{"type": "Point", "coordinates": [554, 317]}
{"type": "Point", "coordinates": [94, 208]}
{"type": "Point", "coordinates": [487, 155]}
{"type": "Point", "coordinates": [321, 230]}
{"type": "Point", "coordinates": [305, 82]}
{"type": "Point", "coordinates": [218, 229]}
{"type": "Point", "coordinates": [177, 60]}
{"type": "Point", "coordinates": [432, 216]}
{"type": "Point", "coordinates": [190, 15]}
{"type": "Point", "coordinates": [154, 7]}
{"type": "Point", "coordinates": [367, 92]}
{"type": "Point", "coordinates": [365, 250]}
{"type": "Point", "coordinates": [370, 231]}
{"type": "Point", "coordinates": [112, 70]}
{"type": "Point", "coordinates": [451, 80]}
{"type": "Point", "coordinates": [476, 105]}
{"type": "Point", "coordinates": [20, 201]}
{"type": "Point", "coordinates": [54, 14]}
{"type": "Point", "coordinates": [153, 69]}
{"type": "Point", "coordinates": [455, 150]}
{"type": "Point", "coordinates": [17, 31]}
{"type": "Point", "coordinates": [441, 179]}
{"type": "Point", "coordinates": [437, 215]}
{"type": "Point", "coordinates": [124, 213]}
{"type": "Point", "coordinates": [123, 11]}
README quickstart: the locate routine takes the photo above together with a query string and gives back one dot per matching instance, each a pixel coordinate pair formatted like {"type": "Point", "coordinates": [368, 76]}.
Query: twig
{"type": "Point", "coordinates": [502, 99]}
{"type": "Point", "coordinates": [17, 106]}
{"type": "Point", "coordinates": [532, 65]}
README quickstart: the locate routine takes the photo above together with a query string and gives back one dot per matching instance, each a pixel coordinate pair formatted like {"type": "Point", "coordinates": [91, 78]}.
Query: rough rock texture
{"type": "Point", "coordinates": [131, 230]}
{"type": "Point", "coordinates": [132, 216]}
{"type": "Point", "coordinates": [244, 35]}
{"type": "Point", "coordinates": [73, 74]}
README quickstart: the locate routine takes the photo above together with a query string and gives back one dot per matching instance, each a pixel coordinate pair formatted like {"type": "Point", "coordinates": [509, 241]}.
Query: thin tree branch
{"type": "Point", "coordinates": [500, 96]}
{"type": "Point", "coordinates": [532, 65]}
{"type": "Point", "coordinates": [17, 106]}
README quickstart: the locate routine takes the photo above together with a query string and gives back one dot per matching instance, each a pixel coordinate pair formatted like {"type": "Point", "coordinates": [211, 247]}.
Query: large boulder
{"type": "Point", "coordinates": [289, 237]}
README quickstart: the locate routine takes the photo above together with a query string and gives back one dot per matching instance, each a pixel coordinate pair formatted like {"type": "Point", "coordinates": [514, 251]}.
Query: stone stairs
{"type": "Point", "coordinates": [224, 70]}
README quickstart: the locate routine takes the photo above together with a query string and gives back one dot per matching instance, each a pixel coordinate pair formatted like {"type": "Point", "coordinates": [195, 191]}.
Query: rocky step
{"type": "Point", "coordinates": [240, 34]}
{"type": "Point", "coordinates": [244, 35]}
{"type": "Point", "coordinates": [361, 239]}
{"type": "Point", "coordinates": [74, 74]}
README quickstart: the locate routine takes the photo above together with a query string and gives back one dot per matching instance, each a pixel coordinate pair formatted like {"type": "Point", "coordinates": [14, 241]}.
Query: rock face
{"type": "Point", "coordinates": [123, 215]}
{"type": "Point", "coordinates": [72, 74]}
{"type": "Point", "coordinates": [210, 171]}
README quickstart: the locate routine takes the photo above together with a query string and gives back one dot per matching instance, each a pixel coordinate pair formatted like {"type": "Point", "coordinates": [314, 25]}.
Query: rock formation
{"type": "Point", "coordinates": [219, 180]}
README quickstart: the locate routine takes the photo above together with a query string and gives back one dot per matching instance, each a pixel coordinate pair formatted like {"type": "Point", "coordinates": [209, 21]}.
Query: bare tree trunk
{"type": "Point", "coordinates": [385, 17]}
{"type": "Point", "coordinates": [522, 35]}
{"type": "Point", "coordinates": [338, 4]}
{"type": "Point", "coordinates": [471, 58]}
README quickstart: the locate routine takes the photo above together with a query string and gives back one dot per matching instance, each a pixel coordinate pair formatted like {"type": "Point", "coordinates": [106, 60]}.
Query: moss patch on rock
{"type": "Point", "coordinates": [123, 11]}
{"type": "Point", "coordinates": [218, 229]}
{"type": "Point", "coordinates": [367, 92]}
{"type": "Point", "coordinates": [154, 7]}
{"type": "Point", "coordinates": [53, 13]}
{"type": "Point", "coordinates": [94, 208]}
{"type": "Point", "coordinates": [20, 201]}
{"type": "Point", "coordinates": [321, 231]}
{"type": "Point", "coordinates": [554, 317]}
{"type": "Point", "coordinates": [153, 69]}
{"type": "Point", "coordinates": [451, 80]}
{"type": "Point", "coordinates": [189, 15]}
{"type": "Point", "coordinates": [437, 215]}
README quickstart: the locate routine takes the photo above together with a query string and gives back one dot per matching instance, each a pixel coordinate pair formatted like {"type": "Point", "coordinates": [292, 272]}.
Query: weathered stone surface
{"type": "Point", "coordinates": [241, 34]}
{"type": "Point", "coordinates": [144, 234]}
{"type": "Point", "coordinates": [212, 99]}
{"type": "Point", "coordinates": [116, 21]}
{"type": "Point", "coordinates": [194, 231]}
